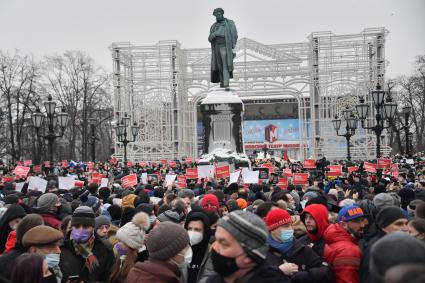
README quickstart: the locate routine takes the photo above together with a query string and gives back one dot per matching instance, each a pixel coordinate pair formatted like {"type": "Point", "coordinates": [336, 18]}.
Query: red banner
{"type": "Point", "coordinates": [143, 163]}
{"type": "Point", "coordinates": [269, 166]}
{"type": "Point", "coordinates": [172, 164]}
{"type": "Point", "coordinates": [222, 172]}
{"type": "Point", "coordinates": [300, 179]}
{"type": "Point", "coordinates": [334, 170]}
{"type": "Point", "coordinates": [27, 162]}
{"type": "Point", "coordinates": [129, 181]}
{"type": "Point", "coordinates": [192, 173]}
{"type": "Point", "coordinates": [181, 182]}
{"type": "Point", "coordinates": [189, 159]}
{"type": "Point", "coordinates": [164, 161]}
{"type": "Point", "coordinates": [7, 179]}
{"type": "Point", "coordinates": [370, 167]}
{"type": "Point", "coordinates": [19, 163]}
{"type": "Point", "coordinates": [352, 169]}
{"type": "Point", "coordinates": [384, 163]}
{"type": "Point", "coordinates": [79, 183]}
{"type": "Point", "coordinates": [64, 163]}
{"type": "Point", "coordinates": [21, 171]}
{"type": "Point", "coordinates": [283, 183]}
{"type": "Point", "coordinates": [36, 168]}
{"type": "Point", "coordinates": [287, 172]}
{"type": "Point", "coordinates": [130, 164]}
{"type": "Point", "coordinates": [309, 164]}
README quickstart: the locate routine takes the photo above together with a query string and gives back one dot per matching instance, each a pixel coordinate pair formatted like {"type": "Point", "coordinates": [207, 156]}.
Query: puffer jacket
{"type": "Point", "coordinates": [342, 253]}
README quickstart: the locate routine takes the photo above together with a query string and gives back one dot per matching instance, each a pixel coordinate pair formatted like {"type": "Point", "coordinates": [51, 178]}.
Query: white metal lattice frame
{"type": "Point", "coordinates": [161, 86]}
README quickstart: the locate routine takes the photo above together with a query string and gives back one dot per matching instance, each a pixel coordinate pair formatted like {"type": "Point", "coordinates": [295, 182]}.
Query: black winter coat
{"type": "Point", "coordinates": [311, 267]}
{"type": "Point", "coordinates": [7, 260]}
{"type": "Point", "coordinates": [73, 264]}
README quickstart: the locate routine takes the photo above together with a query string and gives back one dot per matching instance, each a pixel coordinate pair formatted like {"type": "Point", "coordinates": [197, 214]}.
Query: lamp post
{"type": "Point", "coordinates": [52, 121]}
{"type": "Point", "coordinates": [122, 133]}
{"type": "Point", "coordinates": [93, 123]}
{"type": "Point", "coordinates": [350, 127]}
{"type": "Point", "coordinates": [385, 111]}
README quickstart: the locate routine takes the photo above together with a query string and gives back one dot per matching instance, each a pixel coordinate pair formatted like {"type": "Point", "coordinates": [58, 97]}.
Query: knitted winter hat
{"type": "Point", "coordinates": [276, 218]}
{"type": "Point", "coordinates": [166, 241]}
{"type": "Point", "coordinates": [210, 203]}
{"type": "Point", "coordinates": [388, 215]}
{"type": "Point", "coordinates": [100, 221]}
{"type": "Point", "coordinates": [47, 201]}
{"type": "Point", "coordinates": [83, 215]}
{"type": "Point", "coordinates": [133, 233]}
{"type": "Point", "coordinates": [169, 215]}
{"type": "Point", "coordinates": [383, 199]}
{"type": "Point", "coordinates": [248, 229]}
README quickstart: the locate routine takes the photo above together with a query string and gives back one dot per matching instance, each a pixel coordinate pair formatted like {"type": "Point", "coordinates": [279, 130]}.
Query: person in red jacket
{"type": "Point", "coordinates": [342, 251]}
{"type": "Point", "coordinates": [315, 219]}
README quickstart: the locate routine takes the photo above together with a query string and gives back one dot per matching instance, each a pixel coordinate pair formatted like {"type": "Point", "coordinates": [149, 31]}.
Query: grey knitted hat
{"type": "Point", "coordinates": [47, 201]}
{"type": "Point", "coordinates": [133, 233]}
{"type": "Point", "coordinates": [169, 215]}
{"type": "Point", "coordinates": [83, 215]}
{"type": "Point", "coordinates": [248, 229]}
{"type": "Point", "coordinates": [101, 220]}
{"type": "Point", "coordinates": [383, 199]}
{"type": "Point", "coordinates": [166, 240]}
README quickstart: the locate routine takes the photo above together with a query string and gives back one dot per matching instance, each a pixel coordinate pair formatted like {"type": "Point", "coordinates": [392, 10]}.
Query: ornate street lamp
{"type": "Point", "coordinates": [350, 127]}
{"type": "Point", "coordinates": [93, 123]}
{"type": "Point", "coordinates": [385, 111]}
{"type": "Point", "coordinates": [52, 121]}
{"type": "Point", "coordinates": [122, 131]}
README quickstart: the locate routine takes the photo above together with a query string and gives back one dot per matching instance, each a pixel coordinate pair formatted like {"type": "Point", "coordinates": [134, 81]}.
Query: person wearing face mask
{"type": "Point", "coordinates": [169, 256]}
{"type": "Point", "coordinates": [48, 206]}
{"type": "Point", "coordinates": [131, 239]}
{"type": "Point", "coordinates": [198, 227]}
{"type": "Point", "coordinates": [32, 268]}
{"type": "Point", "coordinates": [83, 252]}
{"type": "Point", "coordinates": [342, 251]}
{"type": "Point", "coordinates": [291, 257]}
{"type": "Point", "coordinates": [8, 223]}
{"type": "Point", "coordinates": [239, 251]}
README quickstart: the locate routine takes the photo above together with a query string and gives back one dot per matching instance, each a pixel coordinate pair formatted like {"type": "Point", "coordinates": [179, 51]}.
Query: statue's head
{"type": "Point", "coordinates": [218, 13]}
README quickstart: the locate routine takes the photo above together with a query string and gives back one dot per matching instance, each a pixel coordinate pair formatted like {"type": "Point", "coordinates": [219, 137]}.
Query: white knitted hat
{"type": "Point", "coordinates": [133, 233]}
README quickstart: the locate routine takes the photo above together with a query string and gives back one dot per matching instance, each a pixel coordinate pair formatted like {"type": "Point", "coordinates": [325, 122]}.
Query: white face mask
{"type": "Point", "coordinates": [188, 256]}
{"type": "Point", "coordinates": [195, 237]}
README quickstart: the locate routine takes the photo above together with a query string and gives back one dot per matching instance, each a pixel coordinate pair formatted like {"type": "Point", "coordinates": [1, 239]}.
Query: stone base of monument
{"type": "Point", "coordinates": [222, 112]}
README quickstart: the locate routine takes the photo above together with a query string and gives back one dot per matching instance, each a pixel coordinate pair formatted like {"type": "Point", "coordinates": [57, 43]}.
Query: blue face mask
{"type": "Point", "coordinates": [286, 235]}
{"type": "Point", "coordinates": [52, 260]}
{"type": "Point", "coordinates": [81, 235]}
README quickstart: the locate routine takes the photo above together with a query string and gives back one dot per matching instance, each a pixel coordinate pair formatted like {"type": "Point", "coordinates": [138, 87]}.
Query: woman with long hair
{"type": "Point", "coordinates": [31, 268]}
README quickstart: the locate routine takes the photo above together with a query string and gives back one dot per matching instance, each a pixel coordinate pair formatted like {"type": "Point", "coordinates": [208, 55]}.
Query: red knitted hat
{"type": "Point", "coordinates": [210, 203]}
{"type": "Point", "coordinates": [276, 218]}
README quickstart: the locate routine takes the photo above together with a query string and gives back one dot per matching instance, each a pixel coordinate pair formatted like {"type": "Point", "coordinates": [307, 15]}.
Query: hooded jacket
{"type": "Point", "coordinates": [319, 213]}
{"type": "Point", "coordinates": [14, 211]}
{"type": "Point", "coordinates": [343, 254]}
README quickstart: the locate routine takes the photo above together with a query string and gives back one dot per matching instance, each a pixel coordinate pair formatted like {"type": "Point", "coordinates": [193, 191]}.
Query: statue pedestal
{"type": "Point", "coordinates": [222, 112]}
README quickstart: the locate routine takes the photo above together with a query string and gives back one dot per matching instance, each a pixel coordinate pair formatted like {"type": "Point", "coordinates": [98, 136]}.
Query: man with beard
{"type": "Point", "coordinates": [342, 250]}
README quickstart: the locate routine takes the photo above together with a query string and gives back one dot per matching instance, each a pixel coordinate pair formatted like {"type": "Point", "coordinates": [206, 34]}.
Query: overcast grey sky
{"type": "Point", "coordinates": [47, 26]}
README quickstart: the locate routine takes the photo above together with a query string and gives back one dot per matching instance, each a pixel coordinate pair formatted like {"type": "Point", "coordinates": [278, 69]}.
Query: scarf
{"type": "Point", "coordinates": [284, 248]}
{"type": "Point", "coordinates": [85, 250]}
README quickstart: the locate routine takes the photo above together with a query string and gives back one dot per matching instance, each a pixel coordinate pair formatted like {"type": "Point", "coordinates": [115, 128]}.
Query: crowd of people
{"type": "Point", "coordinates": [355, 226]}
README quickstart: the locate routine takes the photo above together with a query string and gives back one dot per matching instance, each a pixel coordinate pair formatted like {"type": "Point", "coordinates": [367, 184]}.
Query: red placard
{"type": "Point", "coordinates": [64, 163]}
{"type": "Point", "coordinates": [21, 171]}
{"type": "Point", "coordinates": [283, 183]}
{"type": "Point", "coordinates": [143, 163]}
{"type": "Point", "coordinates": [79, 183]}
{"type": "Point", "coordinates": [309, 164]}
{"type": "Point", "coordinates": [352, 169]}
{"type": "Point", "coordinates": [192, 173]}
{"type": "Point", "coordinates": [7, 179]}
{"type": "Point", "coordinates": [90, 166]}
{"type": "Point", "coordinates": [172, 164]}
{"type": "Point", "coordinates": [36, 168]}
{"type": "Point", "coordinates": [181, 182]}
{"type": "Point", "coordinates": [222, 172]}
{"type": "Point", "coordinates": [113, 161]}
{"type": "Point", "coordinates": [189, 159]}
{"type": "Point", "coordinates": [287, 172]}
{"type": "Point", "coordinates": [46, 164]}
{"type": "Point", "coordinates": [370, 167]}
{"type": "Point", "coordinates": [164, 161]}
{"type": "Point", "coordinates": [19, 163]}
{"type": "Point", "coordinates": [129, 181]}
{"type": "Point", "coordinates": [27, 162]}
{"type": "Point", "coordinates": [269, 166]}
{"type": "Point", "coordinates": [394, 167]}
{"type": "Point", "coordinates": [129, 163]}
{"type": "Point", "coordinates": [395, 173]}
{"type": "Point", "coordinates": [300, 179]}
{"type": "Point", "coordinates": [334, 170]}
{"type": "Point", "coordinates": [384, 163]}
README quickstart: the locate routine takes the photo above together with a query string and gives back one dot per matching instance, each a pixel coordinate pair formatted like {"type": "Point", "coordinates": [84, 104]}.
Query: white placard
{"type": "Point", "coordinates": [66, 183]}
{"type": "Point", "coordinates": [19, 186]}
{"type": "Point", "coordinates": [144, 178]}
{"type": "Point", "coordinates": [244, 169]}
{"type": "Point", "coordinates": [234, 176]}
{"type": "Point", "coordinates": [169, 179]}
{"type": "Point", "coordinates": [104, 182]}
{"type": "Point", "coordinates": [251, 177]}
{"type": "Point", "coordinates": [410, 161]}
{"type": "Point", "coordinates": [206, 171]}
{"type": "Point", "coordinates": [37, 183]}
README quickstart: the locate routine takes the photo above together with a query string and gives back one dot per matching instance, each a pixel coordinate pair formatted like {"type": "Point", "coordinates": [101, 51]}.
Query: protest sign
{"type": "Point", "coordinates": [192, 173]}
{"type": "Point", "coordinates": [36, 168]}
{"type": "Point", "coordinates": [384, 163]}
{"type": "Point", "coordinates": [352, 169]}
{"type": "Point", "coordinates": [287, 172]}
{"type": "Point", "coordinates": [181, 182]}
{"type": "Point", "coordinates": [21, 171]}
{"type": "Point", "coordinates": [250, 177]}
{"type": "Point", "coordinates": [169, 179]}
{"type": "Point", "coordinates": [234, 176]}
{"type": "Point", "coordinates": [79, 183]}
{"type": "Point", "coordinates": [300, 179]}
{"type": "Point", "coordinates": [27, 162]}
{"type": "Point", "coordinates": [104, 182]}
{"type": "Point", "coordinates": [263, 173]}
{"type": "Point", "coordinates": [206, 171]}
{"type": "Point", "coordinates": [37, 183]}
{"type": "Point", "coordinates": [129, 181]}
{"type": "Point", "coordinates": [144, 178]}
{"type": "Point", "coordinates": [66, 183]}
{"type": "Point", "coordinates": [19, 186]}
{"type": "Point", "coordinates": [222, 172]}
{"type": "Point", "coordinates": [370, 167]}
{"type": "Point", "coordinates": [309, 164]}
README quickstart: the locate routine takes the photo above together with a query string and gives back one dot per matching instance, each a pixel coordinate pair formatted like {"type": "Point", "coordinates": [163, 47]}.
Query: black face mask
{"type": "Point", "coordinates": [223, 265]}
